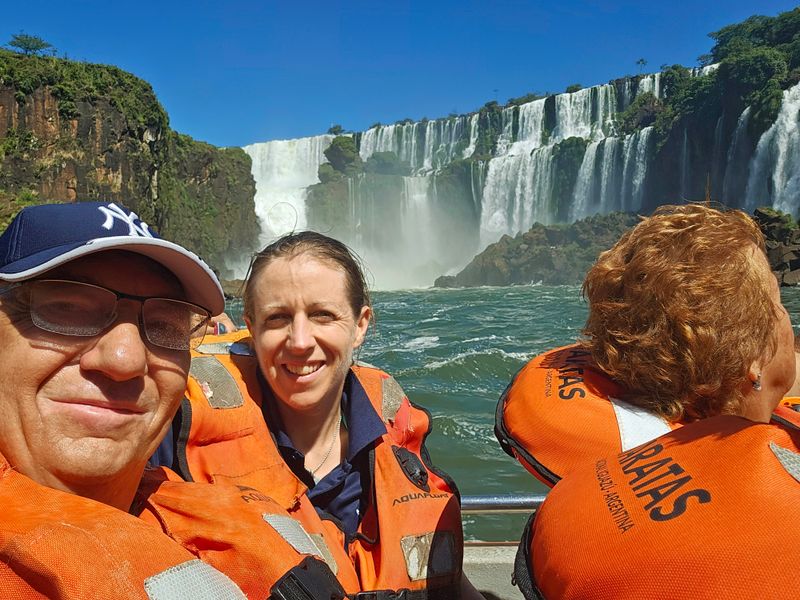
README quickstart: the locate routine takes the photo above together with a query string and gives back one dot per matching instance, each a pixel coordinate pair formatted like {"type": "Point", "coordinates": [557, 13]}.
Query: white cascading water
{"type": "Point", "coordinates": [519, 182]}
{"type": "Point", "coordinates": [587, 113]}
{"type": "Point", "coordinates": [424, 145]}
{"type": "Point", "coordinates": [650, 83]}
{"type": "Point", "coordinates": [637, 152]}
{"type": "Point", "coordinates": [737, 163]}
{"type": "Point", "coordinates": [506, 131]}
{"type": "Point", "coordinates": [514, 189]}
{"type": "Point", "coordinates": [516, 194]}
{"type": "Point", "coordinates": [775, 170]}
{"type": "Point", "coordinates": [585, 184]}
{"type": "Point", "coordinates": [473, 136]}
{"type": "Point", "coordinates": [611, 176]}
{"type": "Point", "coordinates": [282, 171]}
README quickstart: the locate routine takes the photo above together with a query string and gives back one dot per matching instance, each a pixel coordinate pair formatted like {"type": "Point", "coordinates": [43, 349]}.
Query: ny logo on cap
{"type": "Point", "coordinates": [135, 226]}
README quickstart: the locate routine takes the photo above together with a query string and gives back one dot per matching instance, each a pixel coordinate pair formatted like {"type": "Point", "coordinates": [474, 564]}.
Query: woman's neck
{"type": "Point", "coordinates": [311, 430]}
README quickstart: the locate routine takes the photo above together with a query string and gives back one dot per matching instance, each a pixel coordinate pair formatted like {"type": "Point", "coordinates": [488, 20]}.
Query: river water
{"type": "Point", "coordinates": [454, 352]}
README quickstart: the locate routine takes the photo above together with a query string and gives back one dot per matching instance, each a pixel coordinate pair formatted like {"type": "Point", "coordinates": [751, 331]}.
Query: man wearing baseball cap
{"type": "Point", "coordinates": [97, 318]}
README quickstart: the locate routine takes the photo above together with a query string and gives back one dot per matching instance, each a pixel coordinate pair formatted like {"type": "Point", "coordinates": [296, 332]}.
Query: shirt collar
{"type": "Point", "coordinates": [364, 425]}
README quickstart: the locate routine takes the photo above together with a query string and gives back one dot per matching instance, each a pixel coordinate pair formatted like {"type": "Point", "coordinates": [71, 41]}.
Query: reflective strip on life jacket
{"type": "Point", "coordinates": [636, 425]}
{"type": "Point", "coordinates": [237, 529]}
{"type": "Point", "coordinates": [61, 546]}
{"type": "Point", "coordinates": [193, 579]}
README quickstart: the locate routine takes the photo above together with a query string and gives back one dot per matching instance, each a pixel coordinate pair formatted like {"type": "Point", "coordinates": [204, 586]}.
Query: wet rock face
{"type": "Point", "coordinates": [91, 156]}
{"type": "Point", "coordinates": [553, 254]}
{"type": "Point", "coordinates": [783, 243]}
{"type": "Point", "coordinates": [561, 254]}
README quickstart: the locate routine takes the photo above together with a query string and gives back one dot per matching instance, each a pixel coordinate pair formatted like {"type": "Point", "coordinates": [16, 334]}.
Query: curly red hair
{"type": "Point", "coordinates": [679, 310]}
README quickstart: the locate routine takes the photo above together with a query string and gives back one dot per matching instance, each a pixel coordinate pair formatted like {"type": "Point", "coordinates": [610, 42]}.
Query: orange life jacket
{"type": "Point", "coordinates": [560, 410]}
{"type": "Point", "coordinates": [240, 531]}
{"type": "Point", "coordinates": [705, 511]}
{"type": "Point", "coordinates": [410, 535]}
{"type": "Point", "coordinates": [61, 546]}
{"type": "Point", "coordinates": [787, 414]}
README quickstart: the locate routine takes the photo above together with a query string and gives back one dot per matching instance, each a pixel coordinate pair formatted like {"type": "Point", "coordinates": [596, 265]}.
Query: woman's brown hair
{"type": "Point", "coordinates": [321, 247]}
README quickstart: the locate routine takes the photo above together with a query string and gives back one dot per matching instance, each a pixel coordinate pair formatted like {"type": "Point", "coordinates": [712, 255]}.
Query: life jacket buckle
{"type": "Point", "coordinates": [412, 467]}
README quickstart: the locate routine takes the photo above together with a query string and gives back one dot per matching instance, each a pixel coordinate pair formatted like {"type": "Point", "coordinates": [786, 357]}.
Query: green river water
{"type": "Point", "coordinates": [454, 352]}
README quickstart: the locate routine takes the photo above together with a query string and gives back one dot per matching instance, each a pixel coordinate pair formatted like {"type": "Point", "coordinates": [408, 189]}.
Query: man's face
{"type": "Point", "coordinates": [78, 411]}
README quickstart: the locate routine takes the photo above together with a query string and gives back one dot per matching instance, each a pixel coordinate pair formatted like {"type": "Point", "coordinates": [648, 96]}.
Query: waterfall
{"type": "Point", "coordinates": [610, 173]}
{"type": "Point", "coordinates": [507, 133]}
{"type": "Point", "coordinates": [477, 179]}
{"type": "Point", "coordinates": [737, 163]}
{"type": "Point", "coordinates": [417, 222]}
{"type": "Point", "coordinates": [685, 166]}
{"type": "Point", "coordinates": [583, 195]}
{"type": "Point", "coordinates": [407, 227]}
{"type": "Point", "coordinates": [775, 171]}
{"type": "Point", "coordinates": [473, 136]}
{"type": "Point", "coordinates": [717, 161]}
{"type": "Point", "coordinates": [650, 83]}
{"type": "Point", "coordinates": [282, 171]}
{"type": "Point", "coordinates": [587, 113]}
{"type": "Point", "coordinates": [611, 176]}
{"type": "Point", "coordinates": [424, 145]}
{"type": "Point", "coordinates": [700, 71]}
{"type": "Point", "coordinates": [516, 194]}
{"type": "Point", "coordinates": [637, 151]}
{"type": "Point", "coordinates": [531, 127]}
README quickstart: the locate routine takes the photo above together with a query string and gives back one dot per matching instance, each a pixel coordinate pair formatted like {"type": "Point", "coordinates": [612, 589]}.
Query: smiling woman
{"type": "Point", "coordinates": [305, 331]}
{"type": "Point", "coordinates": [338, 441]}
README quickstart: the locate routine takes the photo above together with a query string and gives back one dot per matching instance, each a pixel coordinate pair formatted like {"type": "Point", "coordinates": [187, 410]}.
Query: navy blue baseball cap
{"type": "Point", "coordinates": [43, 237]}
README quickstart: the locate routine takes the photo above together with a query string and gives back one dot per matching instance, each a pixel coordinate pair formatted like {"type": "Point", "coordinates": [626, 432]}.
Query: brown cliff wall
{"type": "Point", "coordinates": [73, 131]}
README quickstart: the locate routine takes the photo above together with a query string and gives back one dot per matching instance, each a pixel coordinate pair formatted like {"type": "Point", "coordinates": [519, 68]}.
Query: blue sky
{"type": "Point", "coordinates": [234, 73]}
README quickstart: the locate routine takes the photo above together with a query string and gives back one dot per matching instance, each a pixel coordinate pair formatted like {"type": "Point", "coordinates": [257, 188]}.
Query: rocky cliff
{"type": "Point", "coordinates": [73, 131]}
{"type": "Point", "coordinates": [562, 254]}
{"type": "Point", "coordinates": [551, 254]}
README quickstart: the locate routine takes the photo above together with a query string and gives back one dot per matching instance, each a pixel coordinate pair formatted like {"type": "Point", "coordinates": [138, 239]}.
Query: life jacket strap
{"type": "Point", "coordinates": [443, 593]}
{"type": "Point", "coordinates": [310, 580]}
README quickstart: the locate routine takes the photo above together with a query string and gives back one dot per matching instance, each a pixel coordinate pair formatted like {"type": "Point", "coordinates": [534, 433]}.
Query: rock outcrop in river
{"type": "Point", "coordinates": [561, 254]}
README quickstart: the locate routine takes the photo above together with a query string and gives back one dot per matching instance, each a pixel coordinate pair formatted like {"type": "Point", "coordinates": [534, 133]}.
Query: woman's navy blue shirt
{"type": "Point", "coordinates": [340, 493]}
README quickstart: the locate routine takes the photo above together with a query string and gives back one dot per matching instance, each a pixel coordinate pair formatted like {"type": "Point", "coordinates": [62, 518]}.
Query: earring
{"type": "Point", "coordinates": [757, 383]}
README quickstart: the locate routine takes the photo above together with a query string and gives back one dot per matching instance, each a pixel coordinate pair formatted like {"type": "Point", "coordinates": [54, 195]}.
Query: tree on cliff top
{"type": "Point", "coordinates": [343, 155]}
{"type": "Point", "coordinates": [29, 44]}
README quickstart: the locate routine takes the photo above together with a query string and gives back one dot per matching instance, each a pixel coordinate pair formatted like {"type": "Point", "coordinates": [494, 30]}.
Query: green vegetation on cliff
{"type": "Point", "coordinates": [71, 82]}
{"type": "Point", "coordinates": [72, 131]}
{"type": "Point", "coordinates": [203, 190]}
{"type": "Point", "coordinates": [758, 59]}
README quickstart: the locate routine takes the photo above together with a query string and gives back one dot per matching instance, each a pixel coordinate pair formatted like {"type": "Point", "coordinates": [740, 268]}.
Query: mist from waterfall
{"type": "Point", "coordinates": [282, 170]}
